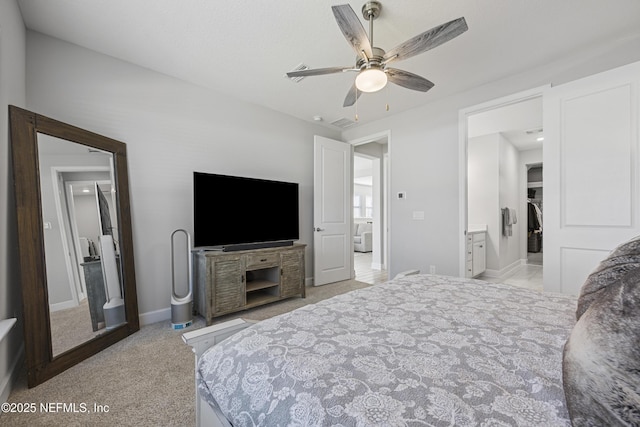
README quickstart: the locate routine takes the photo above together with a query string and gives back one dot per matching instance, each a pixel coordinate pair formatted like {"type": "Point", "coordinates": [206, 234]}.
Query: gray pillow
{"type": "Point", "coordinates": [601, 363]}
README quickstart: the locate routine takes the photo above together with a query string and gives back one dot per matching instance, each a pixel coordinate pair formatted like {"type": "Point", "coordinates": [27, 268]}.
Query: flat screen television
{"type": "Point", "coordinates": [237, 213]}
{"type": "Point", "coordinates": [104, 217]}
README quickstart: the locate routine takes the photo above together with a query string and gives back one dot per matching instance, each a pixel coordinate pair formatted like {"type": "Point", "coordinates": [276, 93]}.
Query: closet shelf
{"type": "Point", "coordinates": [534, 184]}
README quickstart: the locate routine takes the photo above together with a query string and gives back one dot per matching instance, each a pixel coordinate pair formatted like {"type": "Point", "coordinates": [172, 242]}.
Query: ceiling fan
{"type": "Point", "coordinates": [372, 62]}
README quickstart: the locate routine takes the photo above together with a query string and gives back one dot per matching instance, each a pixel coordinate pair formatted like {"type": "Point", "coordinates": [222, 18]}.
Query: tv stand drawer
{"type": "Point", "coordinates": [262, 260]}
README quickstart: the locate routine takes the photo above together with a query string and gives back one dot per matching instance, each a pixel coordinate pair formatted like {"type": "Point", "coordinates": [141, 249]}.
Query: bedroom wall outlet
{"type": "Point", "coordinates": [432, 269]}
{"type": "Point", "coordinates": [402, 195]}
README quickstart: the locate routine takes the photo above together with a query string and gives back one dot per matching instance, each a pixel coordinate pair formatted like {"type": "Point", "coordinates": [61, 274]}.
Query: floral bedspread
{"type": "Point", "coordinates": [419, 351]}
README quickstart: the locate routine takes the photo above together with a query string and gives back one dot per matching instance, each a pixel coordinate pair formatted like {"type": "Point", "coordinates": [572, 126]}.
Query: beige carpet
{"type": "Point", "coordinates": [145, 380]}
{"type": "Point", "coordinates": [71, 327]}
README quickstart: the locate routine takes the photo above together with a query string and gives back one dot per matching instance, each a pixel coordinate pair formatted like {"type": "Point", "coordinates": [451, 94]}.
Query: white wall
{"type": "Point", "coordinates": [483, 195]}
{"type": "Point", "coordinates": [87, 216]}
{"type": "Point", "coordinates": [171, 129]}
{"type": "Point", "coordinates": [509, 190]}
{"type": "Point", "coordinates": [492, 184]}
{"type": "Point", "coordinates": [12, 92]}
{"type": "Point", "coordinates": [425, 159]}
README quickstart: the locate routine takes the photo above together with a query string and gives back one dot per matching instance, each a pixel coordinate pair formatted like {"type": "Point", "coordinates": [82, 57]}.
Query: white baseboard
{"type": "Point", "coordinates": [155, 316]}
{"type": "Point", "coordinates": [62, 305]}
{"type": "Point", "coordinates": [508, 269]}
{"type": "Point", "coordinates": [490, 273]}
{"type": "Point", "coordinates": [12, 375]}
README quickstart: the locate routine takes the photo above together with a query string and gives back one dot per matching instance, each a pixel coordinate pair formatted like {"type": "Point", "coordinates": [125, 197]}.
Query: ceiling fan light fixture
{"type": "Point", "coordinates": [371, 80]}
{"type": "Point", "coordinates": [372, 61]}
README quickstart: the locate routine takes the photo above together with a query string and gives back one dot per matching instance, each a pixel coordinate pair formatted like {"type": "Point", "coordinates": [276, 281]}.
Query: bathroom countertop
{"type": "Point", "coordinates": [476, 228]}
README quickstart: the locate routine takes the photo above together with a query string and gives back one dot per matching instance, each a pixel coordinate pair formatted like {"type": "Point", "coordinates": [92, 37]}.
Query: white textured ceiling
{"type": "Point", "coordinates": [243, 48]}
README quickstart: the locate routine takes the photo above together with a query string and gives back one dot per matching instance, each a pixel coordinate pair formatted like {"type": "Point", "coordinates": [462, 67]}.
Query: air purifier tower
{"type": "Point", "coordinates": [181, 305]}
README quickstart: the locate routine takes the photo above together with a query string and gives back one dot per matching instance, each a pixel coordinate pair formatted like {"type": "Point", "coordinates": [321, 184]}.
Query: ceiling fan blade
{"type": "Point", "coordinates": [351, 97]}
{"type": "Point", "coordinates": [317, 71]}
{"type": "Point", "coordinates": [427, 40]}
{"type": "Point", "coordinates": [352, 29]}
{"type": "Point", "coordinates": [408, 80]}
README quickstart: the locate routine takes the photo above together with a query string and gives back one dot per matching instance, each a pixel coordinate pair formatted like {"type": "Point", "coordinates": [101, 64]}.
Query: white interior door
{"type": "Point", "coordinates": [332, 213]}
{"type": "Point", "coordinates": [72, 269]}
{"type": "Point", "coordinates": [591, 188]}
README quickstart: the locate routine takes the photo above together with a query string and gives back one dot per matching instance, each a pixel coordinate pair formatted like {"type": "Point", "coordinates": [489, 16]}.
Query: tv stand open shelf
{"type": "Point", "coordinates": [227, 282]}
{"type": "Point", "coordinates": [260, 284]}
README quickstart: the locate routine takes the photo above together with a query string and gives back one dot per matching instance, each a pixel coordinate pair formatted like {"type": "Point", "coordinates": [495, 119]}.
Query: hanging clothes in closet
{"type": "Point", "coordinates": [534, 227]}
{"type": "Point", "coordinates": [535, 218]}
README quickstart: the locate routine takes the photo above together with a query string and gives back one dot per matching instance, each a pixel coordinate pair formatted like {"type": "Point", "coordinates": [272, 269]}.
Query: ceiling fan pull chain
{"type": "Point", "coordinates": [386, 92]}
{"type": "Point", "coordinates": [356, 104]}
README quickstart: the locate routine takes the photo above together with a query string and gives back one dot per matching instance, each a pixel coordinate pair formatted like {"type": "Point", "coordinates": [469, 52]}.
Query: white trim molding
{"type": "Point", "coordinates": [463, 131]}
{"type": "Point", "coordinates": [6, 326]}
{"type": "Point", "coordinates": [7, 382]}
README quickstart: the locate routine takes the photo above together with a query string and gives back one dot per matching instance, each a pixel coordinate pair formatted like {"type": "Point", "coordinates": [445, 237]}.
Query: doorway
{"type": "Point", "coordinates": [370, 208]}
{"type": "Point", "coordinates": [76, 213]}
{"type": "Point", "coordinates": [503, 142]}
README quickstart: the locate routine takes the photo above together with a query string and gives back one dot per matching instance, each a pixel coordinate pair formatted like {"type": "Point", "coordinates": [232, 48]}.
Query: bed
{"type": "Point", "coordinates": [426, 350]}
{"type": "Point", "coordinates": [419, 350]}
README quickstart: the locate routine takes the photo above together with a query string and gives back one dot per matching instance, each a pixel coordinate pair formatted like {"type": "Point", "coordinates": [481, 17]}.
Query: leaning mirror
{"type": "Point", "coordinates": [75, 242]}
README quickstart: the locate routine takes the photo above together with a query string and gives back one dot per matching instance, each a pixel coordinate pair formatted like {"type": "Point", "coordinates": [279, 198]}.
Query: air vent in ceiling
{"type": "Point", "coordinates": [343, 123]}
{"type": "Point", "coordinates": [300, 67]}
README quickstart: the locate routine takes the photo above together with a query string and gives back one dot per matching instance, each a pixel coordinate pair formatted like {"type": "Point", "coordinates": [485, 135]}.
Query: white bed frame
{"type": "Point", "coordinates": [200, 340]}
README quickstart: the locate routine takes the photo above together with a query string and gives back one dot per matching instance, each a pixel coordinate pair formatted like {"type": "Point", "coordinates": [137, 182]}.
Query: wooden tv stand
{"type": "Point", "coordinates": [227, 282]}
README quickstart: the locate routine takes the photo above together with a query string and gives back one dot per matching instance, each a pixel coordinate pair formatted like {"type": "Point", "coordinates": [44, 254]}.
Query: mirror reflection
{"type": "Point", "coordinates": [81, 239]}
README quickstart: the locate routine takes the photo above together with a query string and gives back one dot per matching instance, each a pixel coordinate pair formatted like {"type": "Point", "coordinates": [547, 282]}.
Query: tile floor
{"type": "Point", "coordinates": [364, 272]}
{"type": "Point", "coordinates": [525, 276]}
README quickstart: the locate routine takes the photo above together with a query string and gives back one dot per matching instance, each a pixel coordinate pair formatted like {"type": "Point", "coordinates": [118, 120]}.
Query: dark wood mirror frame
{"type": "Point", "coordinates": [40, 363]}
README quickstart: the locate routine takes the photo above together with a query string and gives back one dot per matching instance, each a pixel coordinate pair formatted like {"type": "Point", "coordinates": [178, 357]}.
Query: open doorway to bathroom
{"type": "Point", "coordinates": [504, 184]}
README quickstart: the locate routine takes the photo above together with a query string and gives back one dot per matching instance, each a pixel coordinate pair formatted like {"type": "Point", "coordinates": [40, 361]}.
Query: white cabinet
{"type": "Point", "coordinates": [476, 253]}
{"type": "Point", "coordinates": [479, 257]}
